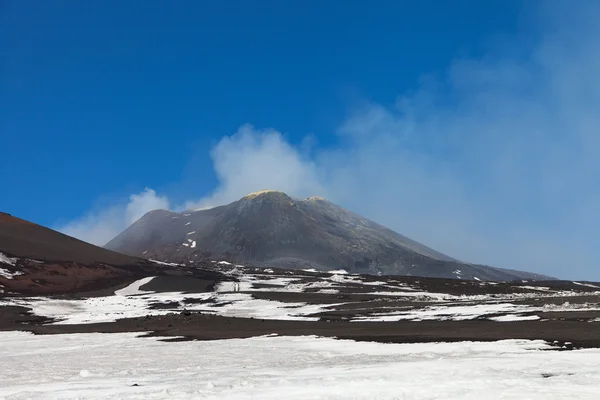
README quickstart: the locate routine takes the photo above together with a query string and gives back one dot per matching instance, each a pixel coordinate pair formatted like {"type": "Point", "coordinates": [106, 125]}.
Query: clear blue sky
{"type": "Point", "coordinates": [468, 125]}
{"type": "Point", "coordinates": [100, 99]}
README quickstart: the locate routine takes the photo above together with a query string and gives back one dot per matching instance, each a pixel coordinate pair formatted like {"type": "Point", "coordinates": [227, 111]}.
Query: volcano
{"type": "Point", "coordinates": [271, 229]}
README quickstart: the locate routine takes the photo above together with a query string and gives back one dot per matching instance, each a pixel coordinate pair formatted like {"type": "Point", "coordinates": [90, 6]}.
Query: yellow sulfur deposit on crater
{"type": "Point", "coordinates": [256, 194]}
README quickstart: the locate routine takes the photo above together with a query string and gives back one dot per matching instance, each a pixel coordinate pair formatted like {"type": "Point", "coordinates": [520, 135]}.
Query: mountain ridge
{"type": "Point", "coordinates": [270, 228]}
{"type": "Point", "coordinates": [36, 260]}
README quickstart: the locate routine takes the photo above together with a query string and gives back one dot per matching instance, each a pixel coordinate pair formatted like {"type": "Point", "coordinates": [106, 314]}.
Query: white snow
{"type": "Point", "coordinates": [235, 299]}
{"type": "Point", "coordinates": [541, 288]}
{"type": "Point", "coordinates": [427, 296]}
{"type": "Point", "coordinates": [7, 260]}
{"type": "Point", "coordinates": [461, 312]}
{"type": "Point", "coordinates": [338, 271]}
{"type": "Point", "coordinates": [453, 313]}
{"type": "Point", "coordinates": [193, 245]}
{"type": "Point", "coordinates": [107, 366]}
{"type": "Point", "coordinates": [515, 317]}
{"type": "Point", "coordinates": [134, 288]}
{"type": "Point", "coordinates": [187, 223]}
{"type": "Point", "coordinates": [185, 244]}
{"type": "Point", "coordinates": [476, 278]}
{"type": "Point", "coordinates": [191, 233]}
{"type": "Point", "coordinates": [9, 274]}
{"type": "Point", "coordinates": [131, 302]}
{"type": "Point", "coordinates": [329, 291]}
{"type": "Point", "coordinates": [586, 284]}
{"type": "Point", "coordinates": [165, 263]}
{"type": "Point", "coordinates": [245, 306]}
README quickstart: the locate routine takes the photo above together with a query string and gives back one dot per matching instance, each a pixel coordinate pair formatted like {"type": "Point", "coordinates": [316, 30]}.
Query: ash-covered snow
{"type": "Point", "coordinates": [236, 298]}
{"type": "Point", "coordinates": [7, 260]}
{"type": "Point", "coordinates": [166, 263]}
{"type": "Point", "coordinates": [122, 366]}
{"type": "Point", "coordinates": [131, 302]}
{"type": "Point", "coordinates": [338, 271]}
{"type": "Point", "coordinates": [12, 261]}
{"type": "Point", "coordinates": [587, 285]}
{"type": "Point", "coordinates": [540, 288]}
{"type": "Point", "coordinates": [9, 274]}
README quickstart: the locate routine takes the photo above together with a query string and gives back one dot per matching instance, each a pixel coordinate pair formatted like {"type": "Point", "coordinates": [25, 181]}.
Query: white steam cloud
{"type": "Point", "coordinates": [100, 227]}
{"type": "Point", "coordinates": [251, 160]}
{"type": "Point", "coordinates": [496, 163]}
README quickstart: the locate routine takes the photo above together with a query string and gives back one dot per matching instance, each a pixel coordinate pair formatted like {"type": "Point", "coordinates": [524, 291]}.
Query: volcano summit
{"type": "Point", "coordinates": [270, 228]}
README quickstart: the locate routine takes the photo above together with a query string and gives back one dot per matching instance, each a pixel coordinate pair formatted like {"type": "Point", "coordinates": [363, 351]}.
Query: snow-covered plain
{"type": "Point", "coordinates": [122, 366]}
{"type": "Point", "coordinates": [234, 299]}
{"type": "Point", "coordinates": [131, 302]}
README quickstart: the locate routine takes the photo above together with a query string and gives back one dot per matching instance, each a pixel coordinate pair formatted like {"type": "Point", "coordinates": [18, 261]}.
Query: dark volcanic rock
{"type": "Point", "coordinates": [35, 260]}
{"type": "Point", "coordinates": [272, 229]}
{"type": "Point", "coordinates": [22, 238]}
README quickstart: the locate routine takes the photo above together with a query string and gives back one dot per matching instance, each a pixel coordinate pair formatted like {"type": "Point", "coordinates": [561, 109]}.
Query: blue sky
{"type": "Point", "coordinates": [459, 123]}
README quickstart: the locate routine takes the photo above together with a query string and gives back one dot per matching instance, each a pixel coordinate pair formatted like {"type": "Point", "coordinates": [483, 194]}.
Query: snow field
{"type": "Point", "coordinates": [122, 366]}
{"type": "Point", "coordinates": [234, 299]}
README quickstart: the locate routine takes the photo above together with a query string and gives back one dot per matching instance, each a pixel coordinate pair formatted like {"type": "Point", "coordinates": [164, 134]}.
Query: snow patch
{"type": "Point", "coordinates": [134, 288]}
{"type": "Point", "coordinates": [7, 260]}
{"type": "Point", "coordinates": [514, 317]}
{"type": "Point", "coordinates": [9, 274]}
{"type": "Point", "coordinates": [444, 313]}
{"type": "Point", "coordinates": [540, 288]}
{"type": "Point", "coordinates": [339, 272]}
{"type": "Point", "coordinates": [586, 284]}
{"type": "Point", "coordinates": [166, 263]}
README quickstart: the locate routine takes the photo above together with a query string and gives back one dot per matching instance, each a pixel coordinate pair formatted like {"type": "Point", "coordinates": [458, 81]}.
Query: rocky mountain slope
{"type": "Point", "coordinates": [269, 228]}
{"type": "Point", "coordinates": [36, 260]}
